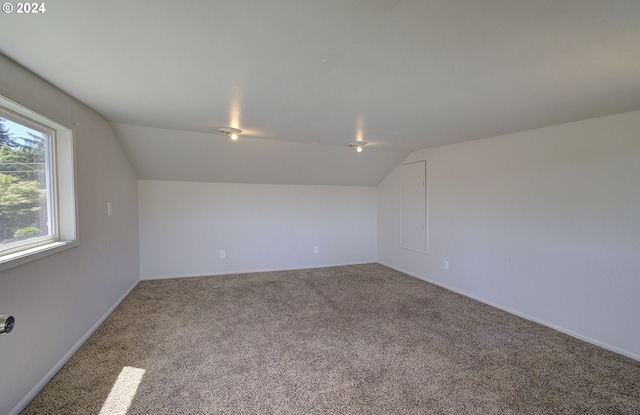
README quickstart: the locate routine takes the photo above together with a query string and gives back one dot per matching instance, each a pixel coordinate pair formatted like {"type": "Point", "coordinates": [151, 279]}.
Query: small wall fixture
{"type": "Point", "coordinates": [230, 132]}
{"type": "Point", "coordinates": [6, 324]}
{"type": "Point", "coordinates": [357, 145]}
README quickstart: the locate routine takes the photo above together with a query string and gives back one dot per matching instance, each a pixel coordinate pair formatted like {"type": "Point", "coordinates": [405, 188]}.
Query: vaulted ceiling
{"type": "Point", "coordinates": [302, 78]}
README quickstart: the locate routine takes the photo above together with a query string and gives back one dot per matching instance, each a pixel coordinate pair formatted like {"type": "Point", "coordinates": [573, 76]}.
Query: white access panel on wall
{"type": "Point", "coordinates": [413, 220]}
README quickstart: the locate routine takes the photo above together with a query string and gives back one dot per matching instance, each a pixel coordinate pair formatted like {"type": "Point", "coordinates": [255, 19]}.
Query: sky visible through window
{"type": "Point", "coordinates": [24, 187]}
{"type": "Point", "coordinates": [18, 130]}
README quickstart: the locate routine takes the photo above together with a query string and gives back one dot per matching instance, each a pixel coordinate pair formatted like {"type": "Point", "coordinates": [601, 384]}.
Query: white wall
{"type": "Point", "coordinates": [184, 226]}
{"type": "Point", "coordinates": [545, 223]}
{"type": "Point", "coordinates": [58, 300]}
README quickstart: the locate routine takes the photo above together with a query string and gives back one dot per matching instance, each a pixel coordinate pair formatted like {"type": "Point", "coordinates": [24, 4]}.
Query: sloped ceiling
{"type": "Point", "coordinates": [302, 78]}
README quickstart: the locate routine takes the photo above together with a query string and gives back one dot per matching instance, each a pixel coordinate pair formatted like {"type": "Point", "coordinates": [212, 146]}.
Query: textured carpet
{"type": "Point", "coordinates": [360, 339]}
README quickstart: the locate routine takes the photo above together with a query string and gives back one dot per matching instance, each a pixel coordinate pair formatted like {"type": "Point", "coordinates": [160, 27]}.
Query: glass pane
{"type": "Point", "coordinates": [24, 184]}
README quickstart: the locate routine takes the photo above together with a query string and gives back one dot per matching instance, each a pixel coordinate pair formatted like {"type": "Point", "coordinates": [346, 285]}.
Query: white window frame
{"type": "Point", "coordinates": [62, 202]}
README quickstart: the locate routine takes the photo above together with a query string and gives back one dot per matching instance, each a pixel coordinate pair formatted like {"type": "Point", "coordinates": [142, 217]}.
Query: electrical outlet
{"type": "Point", "coordinates": [223, 254]}
{"type": "Point", "coordinates": [446, 264]}
{"type": "Point", "coordinates": [315, 249]}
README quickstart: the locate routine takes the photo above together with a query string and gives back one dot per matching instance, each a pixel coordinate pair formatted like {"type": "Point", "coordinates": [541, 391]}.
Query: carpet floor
{"type": "Point", "coordinates": [361, 339]}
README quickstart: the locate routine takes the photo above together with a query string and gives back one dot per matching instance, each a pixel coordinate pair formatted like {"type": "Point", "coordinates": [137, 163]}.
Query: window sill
{"type": "Point", "coordinates": [27, 255]}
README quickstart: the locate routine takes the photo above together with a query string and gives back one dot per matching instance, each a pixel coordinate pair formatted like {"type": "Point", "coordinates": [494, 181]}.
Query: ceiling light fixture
{"type": "Point", "coordinates": [357, 145]}
{"type": "Point", "coordinates": [230, 132]}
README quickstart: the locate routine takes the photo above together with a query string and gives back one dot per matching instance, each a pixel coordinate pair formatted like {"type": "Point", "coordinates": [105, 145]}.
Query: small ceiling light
{"type": "Point", "coordinates": [230, 132]}
{"type": "Point", "coordinates": [357, 145]}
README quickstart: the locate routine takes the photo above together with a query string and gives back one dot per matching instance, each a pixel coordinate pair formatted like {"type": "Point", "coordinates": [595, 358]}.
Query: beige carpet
{"type": "Point", "coordinates": [358, 339]}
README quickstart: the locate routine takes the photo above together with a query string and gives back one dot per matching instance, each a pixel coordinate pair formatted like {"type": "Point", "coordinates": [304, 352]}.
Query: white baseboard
{"type": "Point", "coordinates": [524, 316]}
{"type": "Point", "coordinates": [34, 391]}
{"type": "Point", "coordinates": [244, 271]}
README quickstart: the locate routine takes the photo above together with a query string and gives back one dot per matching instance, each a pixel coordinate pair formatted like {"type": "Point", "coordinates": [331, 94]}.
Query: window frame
{"type": "Point", "coordinates": [62, 203]}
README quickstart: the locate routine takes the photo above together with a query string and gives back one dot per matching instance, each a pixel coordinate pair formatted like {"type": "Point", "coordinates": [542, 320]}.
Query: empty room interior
{"type": "Point", "coordinates": [311, 207]}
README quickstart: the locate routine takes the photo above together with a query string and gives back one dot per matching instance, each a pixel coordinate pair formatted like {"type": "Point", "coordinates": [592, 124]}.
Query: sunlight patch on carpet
{"type": "Point", "coordinates": [122, 392]}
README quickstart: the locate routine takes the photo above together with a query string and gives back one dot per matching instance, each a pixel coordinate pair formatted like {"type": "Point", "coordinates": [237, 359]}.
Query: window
{"type": "Point", "coordinates": [37, 186]}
